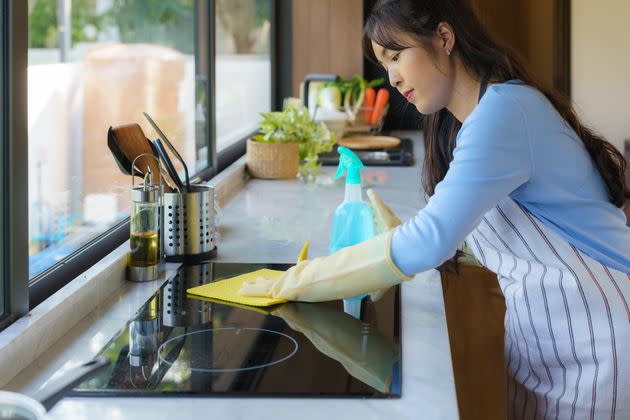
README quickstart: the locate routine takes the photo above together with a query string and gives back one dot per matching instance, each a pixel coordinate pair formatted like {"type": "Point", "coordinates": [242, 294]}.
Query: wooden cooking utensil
{"type": "Point", "coordinates": [369, 142]}
{"type": "Point", "coordinates": [128, 142]}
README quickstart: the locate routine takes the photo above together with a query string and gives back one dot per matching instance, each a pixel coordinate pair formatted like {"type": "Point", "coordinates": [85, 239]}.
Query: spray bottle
{"type": "Point", "coordinates": [352, 222]}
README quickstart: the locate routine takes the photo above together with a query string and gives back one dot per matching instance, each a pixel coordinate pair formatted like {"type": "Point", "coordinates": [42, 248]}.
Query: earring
{"type": "Point", "coordinates": [448, 52]}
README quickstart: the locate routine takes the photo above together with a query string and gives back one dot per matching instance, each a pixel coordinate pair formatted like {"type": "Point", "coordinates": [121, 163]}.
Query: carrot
{"type": "Point", "coordinates": [382, 97]}
{"type": "Point", "coordinates": [368, 103]}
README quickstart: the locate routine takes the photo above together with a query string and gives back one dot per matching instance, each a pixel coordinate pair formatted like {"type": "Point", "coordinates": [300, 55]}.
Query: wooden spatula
{"type": "Point", "coordinates": [127, 142]}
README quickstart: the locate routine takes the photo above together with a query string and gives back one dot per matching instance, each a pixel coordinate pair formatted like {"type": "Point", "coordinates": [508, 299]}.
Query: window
{"type": "Point", "coordinates": [243, 67]}
{"type": "Point", "coordinates": [117, 59]}
{"type": "Point", "coordinates": [81, 66]}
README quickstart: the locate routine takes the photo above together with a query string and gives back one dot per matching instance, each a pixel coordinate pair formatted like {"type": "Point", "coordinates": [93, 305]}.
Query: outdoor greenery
{"type": "Point", "coordinates": [240, 19]}
{"type": "Point", "coordinates": [166, 22]}
{"type": "Point", "coordinates": [42, 22]}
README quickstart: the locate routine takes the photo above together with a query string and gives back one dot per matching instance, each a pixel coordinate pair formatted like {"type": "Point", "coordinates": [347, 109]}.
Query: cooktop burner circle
{"type": "Point", "coordinates": [217, 350]}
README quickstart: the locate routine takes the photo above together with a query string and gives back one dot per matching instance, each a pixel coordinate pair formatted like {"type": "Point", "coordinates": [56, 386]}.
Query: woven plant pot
{"type": "Point", "coordinates": [272, 160]}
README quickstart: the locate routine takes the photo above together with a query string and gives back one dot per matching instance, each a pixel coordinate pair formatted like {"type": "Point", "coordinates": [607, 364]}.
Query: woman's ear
{"type": "Point", "coordinates": [447, 37]}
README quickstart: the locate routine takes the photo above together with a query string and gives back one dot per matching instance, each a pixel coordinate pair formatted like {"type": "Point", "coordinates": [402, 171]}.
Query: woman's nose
{"type": "Point", "coordinates": [394, 78]}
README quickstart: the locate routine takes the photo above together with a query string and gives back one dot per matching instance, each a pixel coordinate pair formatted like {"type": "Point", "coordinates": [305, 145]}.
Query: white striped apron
{"type": "Point", "coordinates": [567, 323]}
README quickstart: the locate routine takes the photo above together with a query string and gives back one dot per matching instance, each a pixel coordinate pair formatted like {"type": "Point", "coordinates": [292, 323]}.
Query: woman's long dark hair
{"type": "Point", "coordinates": [481, 56]}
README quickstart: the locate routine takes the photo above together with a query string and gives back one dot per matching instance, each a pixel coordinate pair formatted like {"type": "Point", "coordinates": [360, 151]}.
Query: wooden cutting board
{"type": "Point", "coordinates": [369, 142]}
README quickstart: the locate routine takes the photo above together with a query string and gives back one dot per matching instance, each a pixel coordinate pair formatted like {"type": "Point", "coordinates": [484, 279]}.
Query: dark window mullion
{"type": "Point", "coordinates": [4, 299]}
{"type": "Point", "coordinates": [205, 70]}
{"type": "Point", "coordinates": [281, 43]}
{"type": "Point", "coordinates": [14, 156]}
{"type": "Point", "coordinates": [213, 160]}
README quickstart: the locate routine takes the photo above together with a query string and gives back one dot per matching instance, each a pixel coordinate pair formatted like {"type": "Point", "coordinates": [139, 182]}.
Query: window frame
{"type": "Point", "coordinates": [13, 128]}
{"type": "Point", "coordinates": [4, 287]}
{"type": "Point", "coordinates": [55, 277]}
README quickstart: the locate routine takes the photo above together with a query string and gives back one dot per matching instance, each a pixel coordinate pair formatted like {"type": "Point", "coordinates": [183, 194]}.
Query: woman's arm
{"type": "Point", "coordinates": [491, 159]}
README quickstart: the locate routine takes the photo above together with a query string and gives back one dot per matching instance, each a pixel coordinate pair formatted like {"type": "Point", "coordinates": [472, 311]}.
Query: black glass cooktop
{"type": "Point", "coordinates": [179, 345]}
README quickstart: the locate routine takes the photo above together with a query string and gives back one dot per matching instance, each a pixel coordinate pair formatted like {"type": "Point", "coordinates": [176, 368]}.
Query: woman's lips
{"type": "Point", "coordinates": [408, 94]}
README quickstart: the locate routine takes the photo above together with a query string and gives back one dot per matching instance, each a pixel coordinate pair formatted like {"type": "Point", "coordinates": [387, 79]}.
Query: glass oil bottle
{"type": "Point", "coordinates": [145, 244]}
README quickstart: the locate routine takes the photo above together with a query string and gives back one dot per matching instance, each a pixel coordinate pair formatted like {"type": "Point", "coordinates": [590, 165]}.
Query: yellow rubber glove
{"type": "Point", "coordinates": [349, 272]}
{"type": "Point", "coordinates": [365, 354]}
{"type": "Point", "coordinates": [386, 216]}
{"type": "Point", "coordinates": [388, 220]}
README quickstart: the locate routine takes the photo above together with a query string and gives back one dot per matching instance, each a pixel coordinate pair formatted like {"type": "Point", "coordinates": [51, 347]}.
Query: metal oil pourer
{"type": "Point", "coordinates": [145, 236]}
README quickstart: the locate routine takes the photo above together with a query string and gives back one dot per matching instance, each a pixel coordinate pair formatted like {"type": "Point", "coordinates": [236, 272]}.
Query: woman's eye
{"type": "Point", "coordinates": [395, 57]}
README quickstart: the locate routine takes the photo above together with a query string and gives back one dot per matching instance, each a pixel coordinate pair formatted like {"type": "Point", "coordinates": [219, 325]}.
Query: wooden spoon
{"type": "Point", "coordinates": [127, 142]}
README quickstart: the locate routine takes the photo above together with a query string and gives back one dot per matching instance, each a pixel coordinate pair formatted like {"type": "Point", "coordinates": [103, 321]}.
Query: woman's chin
{"type": "Point", "coordinates": [422, 108]}
{"type": "Point", "coordinates": [426, 109]}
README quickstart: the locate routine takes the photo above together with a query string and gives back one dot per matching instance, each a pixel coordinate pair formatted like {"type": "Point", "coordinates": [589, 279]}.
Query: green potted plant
{"type": "Point", "coordinates": [288, 141]}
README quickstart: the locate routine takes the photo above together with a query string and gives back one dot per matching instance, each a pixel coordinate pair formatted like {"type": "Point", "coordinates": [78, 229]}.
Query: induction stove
{"type": "Point", "coordinates": [179, 345]}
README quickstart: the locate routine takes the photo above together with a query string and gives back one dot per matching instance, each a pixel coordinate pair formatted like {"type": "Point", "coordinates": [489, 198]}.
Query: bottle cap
{"type": "Point", "coordinates": [350, 162]}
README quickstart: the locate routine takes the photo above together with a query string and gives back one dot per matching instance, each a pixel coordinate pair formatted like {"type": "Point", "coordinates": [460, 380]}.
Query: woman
{"type": "Point", "coordinates": [537, 196]}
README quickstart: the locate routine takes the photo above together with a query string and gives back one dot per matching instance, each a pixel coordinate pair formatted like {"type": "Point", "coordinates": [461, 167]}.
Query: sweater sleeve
{"type": "Point", "coordinates": [491, 159]}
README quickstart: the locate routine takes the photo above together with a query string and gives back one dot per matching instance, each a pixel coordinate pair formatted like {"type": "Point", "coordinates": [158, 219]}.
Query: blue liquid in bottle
{"type": "Point", "coordinates": [352, 224]}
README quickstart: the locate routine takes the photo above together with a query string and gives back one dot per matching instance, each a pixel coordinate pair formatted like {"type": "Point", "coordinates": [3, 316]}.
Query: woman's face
{"type": "Point", "coordinates": [424, 80]}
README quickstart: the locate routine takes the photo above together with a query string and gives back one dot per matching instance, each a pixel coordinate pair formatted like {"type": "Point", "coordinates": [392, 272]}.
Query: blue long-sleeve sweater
{"type": "Point", "coordinates": [515, 143]}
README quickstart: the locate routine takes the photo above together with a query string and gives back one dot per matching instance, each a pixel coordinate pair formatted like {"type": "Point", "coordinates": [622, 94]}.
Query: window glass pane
{"type": "Point", "coordinates": [243, 67]}
{"type": "Point", "coordinates": [117, 59]}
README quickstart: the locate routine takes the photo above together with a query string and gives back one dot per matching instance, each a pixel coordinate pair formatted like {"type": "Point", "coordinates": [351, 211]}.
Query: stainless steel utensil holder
{"type": "Point", "coordinates": [189, 228]}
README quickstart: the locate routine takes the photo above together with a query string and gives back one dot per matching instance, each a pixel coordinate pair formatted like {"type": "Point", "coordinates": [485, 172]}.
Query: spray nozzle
{"type": "Point", "coordinates": [350, 162]}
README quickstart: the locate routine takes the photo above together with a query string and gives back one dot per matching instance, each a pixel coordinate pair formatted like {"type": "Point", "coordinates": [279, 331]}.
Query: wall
{"type": "Point", "coordinates": [326, 38]}
{"type": "Point", "coordinates": [525, 26]}
{"type": "Point", "coordinates": [600, 66]}
{"type": "Point", "coordinates": [327, 35]}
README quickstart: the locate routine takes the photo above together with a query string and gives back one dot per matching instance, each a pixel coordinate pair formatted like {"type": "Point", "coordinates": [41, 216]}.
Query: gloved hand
{"type": "Point", "coordinates": [349, 272]}
{"type": "Point", "coordinates": [388, 220]}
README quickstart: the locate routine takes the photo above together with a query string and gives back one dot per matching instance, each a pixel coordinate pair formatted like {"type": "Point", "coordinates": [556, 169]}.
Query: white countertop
{"type": "Point", "coordinates": [268, 221]}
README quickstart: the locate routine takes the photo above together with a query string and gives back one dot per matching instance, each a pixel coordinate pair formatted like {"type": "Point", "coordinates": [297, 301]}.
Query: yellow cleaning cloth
{"type": "Point", "coordinates": [265, 310]}
{"type": "Point", "coordinates": [228, 289]}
